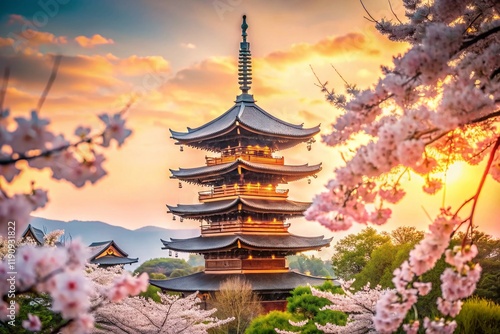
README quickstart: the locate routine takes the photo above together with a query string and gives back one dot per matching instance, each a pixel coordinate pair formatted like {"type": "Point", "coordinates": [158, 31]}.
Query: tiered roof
{"type": "Point", "coordinates": [290, 242]}
{"type": "Point", "coordinates": [239, 204]}
{"type": "Point", "coordinates": [272, 282]}
{"type": "Point", "coordinates": [207, 174]}
{"type": "Point", "coordinates": [245, 121]}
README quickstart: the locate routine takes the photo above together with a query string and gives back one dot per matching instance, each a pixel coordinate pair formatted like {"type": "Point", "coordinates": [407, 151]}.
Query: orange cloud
{"type": "Point", "coordinates": [6, 41]}
{"type": "Point", "coordinates": [135, 65]}
{"type": "Point", "coordinates": [90, 42]}
{"type": "Point", "coordinates": [328, 47]}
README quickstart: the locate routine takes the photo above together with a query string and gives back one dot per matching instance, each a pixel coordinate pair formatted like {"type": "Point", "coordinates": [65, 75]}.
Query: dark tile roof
{"type": "Point", "coordinates": [98, 248]}
{"type": "Point", "coordinates": [256, 205]}
{"type": "Point", "coordinates": [250, 116]}
{"type": "Point", "coordinates": [272, 282]}
{"type": "Point", "coordinates": [263, 242]}
{"type": "Point", "coordinates": [114, 260]}
{"type": "Point", "coordinates": [264, 168]}
{"type": "Point", "coordinates": [36, 233]}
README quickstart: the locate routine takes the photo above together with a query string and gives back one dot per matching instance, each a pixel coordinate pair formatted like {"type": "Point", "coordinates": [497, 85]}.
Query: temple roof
{"type": "Point", "coordinates": [291, 172]}
{"type": "Point", "coordinates": [271, 282]}
{"type": "Point", "coordinates": [99, 249]}
{"type": "Point", "coordinates": [35, 233]}
{"type": "Point", "coordinates": [261, 242]}
{"type": "Point", "coordinates": [252, 118]}
{"type": "Point", "coordinates": [283, 206]}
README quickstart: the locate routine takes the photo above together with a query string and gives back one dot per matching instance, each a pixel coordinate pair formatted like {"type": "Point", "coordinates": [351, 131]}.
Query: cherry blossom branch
{"type": "Point", "coordinates": [481, 184]}
{"type": "Point", "coordinates": [479, 37]}
{"type": "Point", "coordinates": [23, 156]}
{"type": "Point", "coordinates": [393, 13]}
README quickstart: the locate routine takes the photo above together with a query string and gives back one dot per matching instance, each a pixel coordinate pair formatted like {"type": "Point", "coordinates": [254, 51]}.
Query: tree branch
{"type": "Point", "coordinates": [55, 67]}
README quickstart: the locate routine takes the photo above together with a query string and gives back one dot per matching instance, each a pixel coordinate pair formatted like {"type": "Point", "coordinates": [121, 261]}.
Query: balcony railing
{"type": "Point", "coordinates": [246, 190]}
{"type": "Point", "coordinates": [248, 157]}
{"type": "Point", "coordinates": [245, 264]}
{"type": "Point", "coordinates": [236, 227]}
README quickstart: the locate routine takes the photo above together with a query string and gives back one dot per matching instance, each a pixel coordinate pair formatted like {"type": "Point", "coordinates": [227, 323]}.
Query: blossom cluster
{"type": "Point", "coordinates": [436, 104]}
{"type": "Point", "coordinates": [171, 315]}
{"type": "Point", "coordinates": [30, 139]}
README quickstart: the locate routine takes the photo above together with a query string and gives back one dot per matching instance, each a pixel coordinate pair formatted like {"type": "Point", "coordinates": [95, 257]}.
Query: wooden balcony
{"type": "Point", "coordinates": [243, 190]}
{"type": "Point", "coordinates": [252, 154]}
{"type": "Point", "coordinates": [245, 264]}
{"type": "Point", "coordinates": [238, 227]}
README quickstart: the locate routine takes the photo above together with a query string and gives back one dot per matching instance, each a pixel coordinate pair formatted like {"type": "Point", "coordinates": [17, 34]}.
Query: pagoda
{"type": "Point", "coordinates": [243, 215]}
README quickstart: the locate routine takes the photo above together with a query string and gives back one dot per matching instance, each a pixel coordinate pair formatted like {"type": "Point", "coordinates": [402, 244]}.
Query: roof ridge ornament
{"type": "Point", "coordinates": [244, 66]}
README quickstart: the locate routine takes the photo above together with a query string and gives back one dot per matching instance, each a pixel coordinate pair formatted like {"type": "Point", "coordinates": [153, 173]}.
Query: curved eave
{"type": "Point", "coordinates": [287, 242]}
{"type": "Point", "coordinates": [114, 260]}
{"type": "Point", "coordinates": [283, 207]}
{"type": "Point", "coordinates": [268, 282]}
{"type": "Point", "coordinates": [104, 245]}
{"type": "Point", "coordinates": [293, 172]}
{"type": "Point", "coordinates": [249, 117]}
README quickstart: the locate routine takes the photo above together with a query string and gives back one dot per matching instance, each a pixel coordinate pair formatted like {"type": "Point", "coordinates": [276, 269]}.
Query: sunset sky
{"type": "Point", "coordinates": [179, 59]}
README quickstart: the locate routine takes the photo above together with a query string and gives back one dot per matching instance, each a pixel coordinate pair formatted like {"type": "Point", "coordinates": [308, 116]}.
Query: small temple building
{"type": "Point", "coordinates": [107, 254]}
{"type": "Point", "coordinates": [244, 213]}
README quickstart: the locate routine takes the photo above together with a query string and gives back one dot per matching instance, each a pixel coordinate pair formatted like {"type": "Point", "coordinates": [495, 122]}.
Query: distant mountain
{"type": "Point", "coordinates": [143, 243]}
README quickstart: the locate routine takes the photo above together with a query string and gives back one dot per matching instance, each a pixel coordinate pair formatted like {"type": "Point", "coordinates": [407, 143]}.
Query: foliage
{"type": "Point", "coordinates": [236, 299]}
{"type": "Point", "coordinates": [438, 103]}
{"type": "Point", "coordinates": [360, 307]}
{"type": "Point", "coordinates": [38, 304]}
{"type": "Point", "coordinates": [301, 306]}
{"type": "Point", "coordinates": [352, 253]}
{"type": "Point", "coordinates": [266, 324]}
{"type": "Point", "coordinates": [489, 258]}
{"type": "Point", "coordinates": [478, 316]}
{"type": "Point", "coordinates": [196, 260]}
{"type": "Point", "coordinates": [310, 265]}
{"type": "Point", "coordinates": [165, 266]}
{"type": "Point", "coordinates": [157, 276]}
{"type": "Point", "coordinates": [151, 293]}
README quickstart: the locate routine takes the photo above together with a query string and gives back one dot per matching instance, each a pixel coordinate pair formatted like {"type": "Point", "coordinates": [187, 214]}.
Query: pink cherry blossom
{"type": "Point", "coordinates": [33, 323]}
{"type": "Point", "coordinates": [115, 129]}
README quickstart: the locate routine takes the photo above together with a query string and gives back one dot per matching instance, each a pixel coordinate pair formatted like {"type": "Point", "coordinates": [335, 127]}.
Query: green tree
{"type": "Point", "coordinates": [353, 252]}
{"type": "Point", "coordinates": [266, 324]}
{"type": "Point", "coordinates": [310, 265]}
{"type": "Point", "coordinates": [406, 235]}
{"type": "Point", "coordinates": [489, 258]}
{"type": "Point", "coordinates": [163, 266]}
{"type": "Point", "coordinates": [196, 260]}
{"type": "Point", "coordinates": [478, 316]}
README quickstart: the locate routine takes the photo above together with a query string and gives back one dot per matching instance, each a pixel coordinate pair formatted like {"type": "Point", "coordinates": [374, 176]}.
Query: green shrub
{"type": "Point", "coordinates": [265, 324]}
{"type": "Point", "coordinates": [479, 316]}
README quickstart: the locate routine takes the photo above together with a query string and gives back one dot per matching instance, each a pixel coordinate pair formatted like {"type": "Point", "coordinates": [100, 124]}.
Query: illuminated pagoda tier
{"type": "Point", "coordinates": [107, 253]}
{"type": "Point", "coordinates": [244, 212]}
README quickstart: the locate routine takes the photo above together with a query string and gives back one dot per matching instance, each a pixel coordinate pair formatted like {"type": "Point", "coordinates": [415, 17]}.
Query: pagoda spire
{"type": "Point", "coordinates": [244, 65]}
